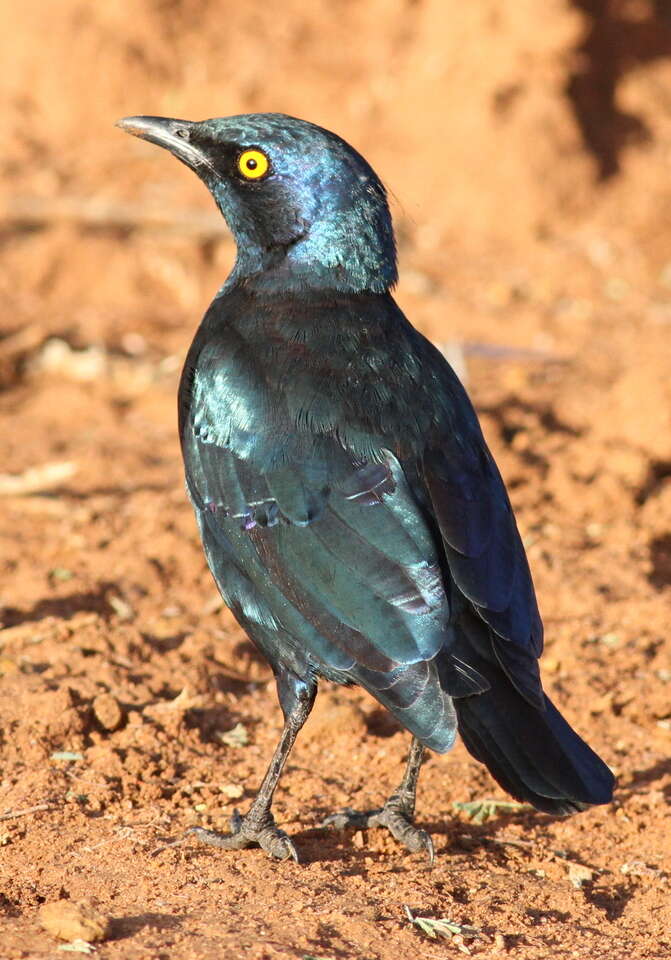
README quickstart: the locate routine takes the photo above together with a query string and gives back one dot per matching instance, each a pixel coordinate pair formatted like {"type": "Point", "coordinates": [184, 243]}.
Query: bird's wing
{"type": "Point", "coordinates": [514, 728]}
{"type": "Point", "coordinates": [329, 552]}
{"type": "Point", "coordinates": [483, 548]}
{"type": "Point", "coordinates": [374, 515]}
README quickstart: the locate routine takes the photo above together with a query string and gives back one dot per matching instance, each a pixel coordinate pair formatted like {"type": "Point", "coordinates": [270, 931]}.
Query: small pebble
{"type": "Point", "coordinates": [123, 610]}
{"type": "Point", "coordinates": [74, 921]}
{"type": "Point", "coordinates": [579, 874]}
{"type": "Point", "coordinates": [499, 942]}
{"type": "Point", "coordinates": [232, 790]}
{"type": "Point", "coordinates": [107, 711]}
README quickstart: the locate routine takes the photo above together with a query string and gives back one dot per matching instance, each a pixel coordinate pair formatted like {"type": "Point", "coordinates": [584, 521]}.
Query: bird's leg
{"type": "Point", "coordinates": [258, 825]}
{"type": "Point", "coordinates": [398, 812]}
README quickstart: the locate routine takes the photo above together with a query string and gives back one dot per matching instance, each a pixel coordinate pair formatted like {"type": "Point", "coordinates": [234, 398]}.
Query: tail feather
{"type": "Point", "coordinates": [534, 754]}
{"type": "Point", "coordinates": [538, 758]}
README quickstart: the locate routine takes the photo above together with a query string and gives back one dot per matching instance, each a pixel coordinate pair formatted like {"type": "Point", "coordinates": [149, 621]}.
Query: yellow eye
{"type": "Point", "coordinates": [253, 164]}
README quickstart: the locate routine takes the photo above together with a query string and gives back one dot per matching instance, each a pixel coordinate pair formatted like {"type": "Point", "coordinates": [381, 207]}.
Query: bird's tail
{"type": "Point", "coordinates": [534, 754]}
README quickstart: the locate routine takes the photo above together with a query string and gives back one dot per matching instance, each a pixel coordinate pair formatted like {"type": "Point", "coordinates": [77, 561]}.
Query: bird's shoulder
{"type": "Point", "coordinates": [281, 371]}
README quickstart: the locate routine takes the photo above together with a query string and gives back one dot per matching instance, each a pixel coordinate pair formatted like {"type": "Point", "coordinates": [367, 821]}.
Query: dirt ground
{"type": "Point", "coordinates": [528, 149]}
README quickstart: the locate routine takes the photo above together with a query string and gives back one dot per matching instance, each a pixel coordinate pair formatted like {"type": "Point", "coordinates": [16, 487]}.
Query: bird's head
{"type": "Point", "coordinates": [305, 208]}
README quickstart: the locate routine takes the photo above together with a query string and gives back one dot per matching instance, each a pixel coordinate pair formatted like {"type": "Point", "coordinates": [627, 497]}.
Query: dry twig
{"type": "Point", "coordinates": [26, 212]}
{"type": "Point", "coordinates": [13, 814]}
{"type": "Point", "coordinates": [35, 479]}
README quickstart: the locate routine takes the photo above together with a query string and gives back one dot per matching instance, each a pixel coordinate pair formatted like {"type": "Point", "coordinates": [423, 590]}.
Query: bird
{"type": "Point", "coordinates": [350, 510]}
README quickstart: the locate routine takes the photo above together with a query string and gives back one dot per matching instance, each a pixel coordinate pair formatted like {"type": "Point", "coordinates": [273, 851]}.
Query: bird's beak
{"type": "Point", "coordinates": [175, 135]}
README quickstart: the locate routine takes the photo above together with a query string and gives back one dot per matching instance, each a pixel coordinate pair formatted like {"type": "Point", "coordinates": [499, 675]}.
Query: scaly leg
{"type": "Point", "coordinates": [258, 824]}
{"type": "Point", "coordinates": [397, 813]}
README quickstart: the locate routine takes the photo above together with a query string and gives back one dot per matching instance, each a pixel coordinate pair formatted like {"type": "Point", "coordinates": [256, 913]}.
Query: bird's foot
{"type": "Point", "coordinates": [248, 830]}
{"type": "Point", "coordinates": [394, 816]}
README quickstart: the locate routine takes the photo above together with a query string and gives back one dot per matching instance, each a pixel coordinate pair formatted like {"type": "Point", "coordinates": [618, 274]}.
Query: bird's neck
{"type": "Point", "coordinates": [347, 257]}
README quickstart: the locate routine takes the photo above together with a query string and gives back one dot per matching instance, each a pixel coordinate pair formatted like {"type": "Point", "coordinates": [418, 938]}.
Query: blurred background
{"type": "Point", "coordinates": [527, 150]}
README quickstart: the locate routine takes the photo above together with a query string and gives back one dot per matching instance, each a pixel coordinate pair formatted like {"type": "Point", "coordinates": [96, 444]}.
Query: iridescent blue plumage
{"type": "Point", "coordinates": [350, 511]}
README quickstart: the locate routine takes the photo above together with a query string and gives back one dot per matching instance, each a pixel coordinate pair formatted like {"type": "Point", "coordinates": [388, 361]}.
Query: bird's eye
{"type": "Point", "coordinates": [253, 164]}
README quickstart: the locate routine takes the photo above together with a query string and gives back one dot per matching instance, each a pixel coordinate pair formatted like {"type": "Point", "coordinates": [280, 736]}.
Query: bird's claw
{"type": "Point", "coordinates": [394, 818]}
{"type": "Point", "coordinates": [402, 828]}
{"type": "Point", "coordinates": [343, 819]}
{"type": "Point", "coordinates": [247, 831]}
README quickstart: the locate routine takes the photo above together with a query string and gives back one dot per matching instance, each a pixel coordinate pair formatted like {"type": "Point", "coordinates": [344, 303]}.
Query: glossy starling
{"type": "Point", "coordinates": [350, 510]}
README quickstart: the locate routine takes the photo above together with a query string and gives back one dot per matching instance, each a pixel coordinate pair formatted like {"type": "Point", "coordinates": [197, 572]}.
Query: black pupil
{"type": "Point", "coordinates": [252, 164]}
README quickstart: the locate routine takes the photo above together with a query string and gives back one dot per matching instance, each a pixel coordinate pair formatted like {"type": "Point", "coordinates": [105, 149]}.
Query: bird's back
{"type": "Point", "coordinates": [358, 528]}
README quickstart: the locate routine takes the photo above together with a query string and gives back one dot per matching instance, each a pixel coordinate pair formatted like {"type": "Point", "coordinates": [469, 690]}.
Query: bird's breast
{"type": "Point", "coordinates": [280, 374]}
